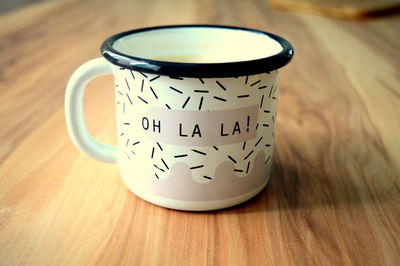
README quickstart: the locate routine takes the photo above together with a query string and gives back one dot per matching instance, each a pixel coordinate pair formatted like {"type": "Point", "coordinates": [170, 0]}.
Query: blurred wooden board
{"type": "Point", "coordinates": [340, 8]}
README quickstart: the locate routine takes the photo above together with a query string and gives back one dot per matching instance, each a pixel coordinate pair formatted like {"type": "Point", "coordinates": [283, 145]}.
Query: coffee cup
{"type": "Point", "coordinates": [195, 112]}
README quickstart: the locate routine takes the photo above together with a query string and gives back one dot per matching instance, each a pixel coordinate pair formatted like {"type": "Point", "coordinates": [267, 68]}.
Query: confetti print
{"type": "Point", "coordinates": [135, 89]}
{"type": "Point", "coordinates": [262, 101]}
{"type": "Point", "coordinates": [174, 89]}
{"type": "Point", "coordinates": [219, 98]}
{"type": "Point", "coordinates": [143, 100]}
{"type": "Point", "coordinates": [201, 91]}
{"type": "Point", "coordinates": [258, 141]}
{"type": "Point", "coordinates": [180, 155]}
{"type": "Point", "coordinates": [178, 78]}
{"type": "Point", "coordinates": [199, 152]}
{"type": "Point", "coordinates": [196, 167]}
{"type": "Point", "coordinates": [255, 83]}
{"type": "Point", "coordinates": [158, 144]}
{"type": "Point", "coordinates": [231, 158]}
{"type": "Point", "coordinates": [142, 86]}
{"type": "Point", "coordinates": [153, 79]}
{"type": "Point", "coordinates": [165, 164]}
{"type": "Point", "coordinates": [127, 84]}
{"type": "Point", "coordinates": [144, 75]}
{"type": "Point", "coordinates": [248, 155]}
{"type": "Point", "coordinates": [185, 103]}
{"type": "Point", "coordinates": [155, 94]}
{"type": "Point", "coordinates": [201, 102]}
{"type": "Point", "coordinates": [220, 85]}
{"type": "Point", "coordinates": [129, 99]}
{"type": "Point", "coordinates": [162, 170]}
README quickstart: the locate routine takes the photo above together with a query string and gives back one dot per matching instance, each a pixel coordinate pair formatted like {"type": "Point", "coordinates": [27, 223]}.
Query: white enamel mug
{"type": "Point", "coordinates": [195, 105]}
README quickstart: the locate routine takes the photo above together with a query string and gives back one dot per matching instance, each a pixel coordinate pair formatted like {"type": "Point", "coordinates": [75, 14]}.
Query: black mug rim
{"type": "Point", "coordinates": [199, 70]}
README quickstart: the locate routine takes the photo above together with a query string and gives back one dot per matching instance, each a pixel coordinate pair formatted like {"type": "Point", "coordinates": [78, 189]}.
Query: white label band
{"type": "Point", "coordinates": [195, 128]}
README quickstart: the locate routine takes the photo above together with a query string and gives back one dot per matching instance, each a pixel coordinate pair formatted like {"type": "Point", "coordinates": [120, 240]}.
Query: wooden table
{"type": "Point", "coordinates": [334, 197]}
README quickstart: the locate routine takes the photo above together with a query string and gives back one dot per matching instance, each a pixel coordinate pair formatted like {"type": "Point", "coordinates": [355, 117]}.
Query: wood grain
{"type": "Point", "coordinates": [352, 9]}
{"type": "Point", "coordinates": [334, 196]}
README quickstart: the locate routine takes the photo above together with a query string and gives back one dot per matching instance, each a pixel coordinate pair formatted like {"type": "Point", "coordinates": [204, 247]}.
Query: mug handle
{"type": "Point", "coordinates": [74, 113]}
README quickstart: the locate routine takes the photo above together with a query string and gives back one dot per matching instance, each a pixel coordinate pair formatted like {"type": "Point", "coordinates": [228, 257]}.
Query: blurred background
{"type": "Point", "coordinates": [338, 8]}
{"type": "Point", "coordinates": [333, 198]}
{"type": "Point", "coordinates": [8, 6]}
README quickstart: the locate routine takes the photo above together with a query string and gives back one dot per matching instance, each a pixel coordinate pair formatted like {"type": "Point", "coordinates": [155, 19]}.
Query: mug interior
{"type": "Point", "coordinates": [198, 45]}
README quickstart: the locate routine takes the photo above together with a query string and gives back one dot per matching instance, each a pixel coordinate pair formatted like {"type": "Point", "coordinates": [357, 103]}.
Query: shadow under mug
{"type": "Point", "coordinates": [196, 106]}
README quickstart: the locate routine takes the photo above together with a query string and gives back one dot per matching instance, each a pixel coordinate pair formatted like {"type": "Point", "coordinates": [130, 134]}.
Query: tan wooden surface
{"type": "Point", "coordinates": [352, 9]}
{"type": "Point", "coordinates": [334, 197]}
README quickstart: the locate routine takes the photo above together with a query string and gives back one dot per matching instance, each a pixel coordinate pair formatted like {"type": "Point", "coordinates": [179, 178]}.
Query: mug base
{"type": "Point", "coordinates": [198, 205]}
